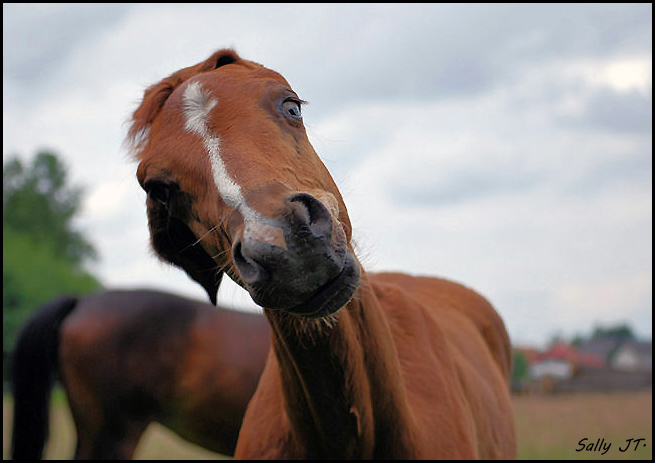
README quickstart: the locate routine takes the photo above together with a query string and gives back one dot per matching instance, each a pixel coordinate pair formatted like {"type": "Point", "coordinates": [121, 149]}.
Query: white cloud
{"type": "Point", "coordinates": [105, 201]}
{"type": "Point", "coordinates": [621, 74]}
{"type": "Point", "coordinates": [471, 145]}
{"type": "Point", "coordinates": [609, 300]}
{"type": "Point", "coordinates": [475, 191]}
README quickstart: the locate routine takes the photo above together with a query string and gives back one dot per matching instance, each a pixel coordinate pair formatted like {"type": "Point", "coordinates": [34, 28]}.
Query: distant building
{"type": "Point", "coordinates": [597, 365]}
{"type": "Point", "coordinates": [602, 347]}
{"type": "Point", "coordinates": [561, 361]}
{"type": "Point", "coordinates": [551, 368]}
{"type": "Point", "coordinates": [634, 356]}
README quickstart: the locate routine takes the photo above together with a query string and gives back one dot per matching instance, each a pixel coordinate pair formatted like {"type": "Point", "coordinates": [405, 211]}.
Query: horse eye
{"type": "Point", "coordinates": [158, 191]}
{"type": "Point", "coordinates": [292, 108]}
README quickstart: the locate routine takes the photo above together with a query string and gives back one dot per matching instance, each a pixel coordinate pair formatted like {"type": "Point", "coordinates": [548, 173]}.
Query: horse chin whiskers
{"type": "Point", "coordinates": [313, 328]}
{"type": "Point", "coordinates": [306, 330]}
{"type": "Point", "coordinates": [317, 325]}
{"type": "Point", "coordinates": [199, 240]}
{"type": "Point", "coordinates": [220, 255]}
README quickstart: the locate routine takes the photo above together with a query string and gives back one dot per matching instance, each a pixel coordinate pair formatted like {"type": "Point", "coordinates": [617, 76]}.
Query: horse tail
{"type": "Point", "coordinates": [33, 366]}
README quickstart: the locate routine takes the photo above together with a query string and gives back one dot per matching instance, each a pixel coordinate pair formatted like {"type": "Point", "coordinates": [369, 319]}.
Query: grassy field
{"type": "Point", "coordinates": [548, 428]}
{"type": "Point", "coordinates": [551, 427]}
{"type": "Point", "coordinates": [158, 443]}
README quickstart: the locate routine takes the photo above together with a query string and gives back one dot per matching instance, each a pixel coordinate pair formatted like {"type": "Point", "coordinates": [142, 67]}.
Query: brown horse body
{"type": "Point", "coordinates": [128, 358]}
{"type": "Point", "coordinates": [362, 365]}
{"type": "Point", "coordinates": [414, 376]}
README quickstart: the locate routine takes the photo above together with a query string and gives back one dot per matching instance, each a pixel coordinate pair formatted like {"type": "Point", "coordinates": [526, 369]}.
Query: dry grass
{"type": "Point", "coordinates": [158, 443]}
{"type": "Point", "coordinates": [551, 427]}
{"type": "Point", "coordinates": [548, 428]}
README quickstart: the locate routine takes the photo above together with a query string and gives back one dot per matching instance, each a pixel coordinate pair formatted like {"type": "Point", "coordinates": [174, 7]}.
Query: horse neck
{"type": "Point", "coordinates": [342, 384]}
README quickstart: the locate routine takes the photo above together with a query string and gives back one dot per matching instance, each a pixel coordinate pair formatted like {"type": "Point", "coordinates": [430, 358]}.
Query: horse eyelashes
{"type": "Point", "coordinates": [292, 108]}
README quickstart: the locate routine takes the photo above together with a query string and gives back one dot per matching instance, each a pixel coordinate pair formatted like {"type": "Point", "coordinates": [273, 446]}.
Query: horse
{"type": "Point", "coordinates": [362, 365]}
{"type": "Point", "coordinates": [128, 358]}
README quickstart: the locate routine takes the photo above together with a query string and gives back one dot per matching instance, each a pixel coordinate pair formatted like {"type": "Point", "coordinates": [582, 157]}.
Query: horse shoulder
{"type": "Point", "coordinates": [445, 335]}
{"type": "Point", "coordinates": [456, 305]}
{"type": "Point", "coordinates": [431, 377]}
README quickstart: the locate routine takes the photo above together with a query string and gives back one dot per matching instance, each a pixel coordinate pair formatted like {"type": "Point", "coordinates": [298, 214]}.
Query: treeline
{"type": "Point", "coordinates": [43, 255]}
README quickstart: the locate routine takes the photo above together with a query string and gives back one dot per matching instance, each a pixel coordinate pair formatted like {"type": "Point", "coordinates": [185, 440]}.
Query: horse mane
{"type": "Point", "coordinates": [156, 95]}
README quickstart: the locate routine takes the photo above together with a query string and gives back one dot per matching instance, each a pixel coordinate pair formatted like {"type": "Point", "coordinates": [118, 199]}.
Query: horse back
{"type": "Point", "coordinates": [120, 354]}
{"type": "Point", "coordinates": [141, 334]}
{"type": "Point", "coordinates": [128, 358]}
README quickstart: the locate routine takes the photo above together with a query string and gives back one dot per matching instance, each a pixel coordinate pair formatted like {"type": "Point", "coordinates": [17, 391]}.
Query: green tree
{"type": "Point", "coordinates": [36, 201]}
{"type": "Point", "coordinates": [620, 333]}
{"type": "Point", "coordinates": [520, 369]}
{"type": "Point", "coordinates": [43, 255]}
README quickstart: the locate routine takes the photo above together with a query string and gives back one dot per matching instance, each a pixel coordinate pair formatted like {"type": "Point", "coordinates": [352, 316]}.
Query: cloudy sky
{"type": "Point", "coordinates": [508, 147]}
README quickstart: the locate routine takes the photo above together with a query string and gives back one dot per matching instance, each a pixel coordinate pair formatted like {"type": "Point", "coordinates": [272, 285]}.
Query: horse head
{"type": "Point", "coordinates": [234, 185]}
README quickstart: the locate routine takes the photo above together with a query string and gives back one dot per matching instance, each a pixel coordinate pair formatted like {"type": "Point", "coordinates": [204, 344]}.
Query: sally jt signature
{"type": "Point", "coordinates": [603, 447]}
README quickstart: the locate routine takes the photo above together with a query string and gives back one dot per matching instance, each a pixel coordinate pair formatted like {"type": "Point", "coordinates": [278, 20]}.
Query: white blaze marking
{"type": "Point", "coordinates": [197, 105]}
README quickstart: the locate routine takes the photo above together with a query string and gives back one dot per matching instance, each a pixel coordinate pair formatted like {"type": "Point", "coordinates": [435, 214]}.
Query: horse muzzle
{"type": "Point", "coordinates": [298, 261]}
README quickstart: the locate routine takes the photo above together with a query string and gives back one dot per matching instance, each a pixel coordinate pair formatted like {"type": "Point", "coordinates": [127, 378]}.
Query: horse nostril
{"type": "Point", "coordinates": [312, 213]}
{"type": "Point", "coordinates": [249, 270]}
{"type": "Point", "coordinates": [284, 260]}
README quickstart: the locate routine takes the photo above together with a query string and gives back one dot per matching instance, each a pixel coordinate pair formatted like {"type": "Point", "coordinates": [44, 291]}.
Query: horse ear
{"type": "Point", "coordinates": [224, 57]}
{"type": "Point", "coordinates": [156, 95]}
{"type": "Point", "coordinates": [153, 100]}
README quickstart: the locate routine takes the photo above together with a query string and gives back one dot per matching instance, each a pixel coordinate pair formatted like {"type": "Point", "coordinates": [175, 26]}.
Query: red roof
{"type": "Point", "coordinates": [561, 351]}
